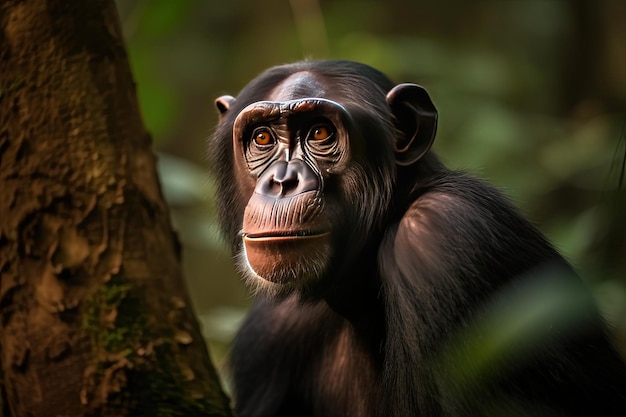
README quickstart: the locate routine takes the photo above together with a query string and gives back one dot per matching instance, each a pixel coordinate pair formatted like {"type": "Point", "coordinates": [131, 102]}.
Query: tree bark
{"type": "Point", "coordinates": [94, 314]}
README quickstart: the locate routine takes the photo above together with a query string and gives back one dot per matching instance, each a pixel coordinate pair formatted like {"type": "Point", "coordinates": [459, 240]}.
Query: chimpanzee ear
{"type": "Point", "coordinates": [416, 118]}
{"type": "Point", "coordinates": [223, 103]}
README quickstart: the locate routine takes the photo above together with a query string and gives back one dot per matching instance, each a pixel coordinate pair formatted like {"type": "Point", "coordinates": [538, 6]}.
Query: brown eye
{"type": "Point", "coordinates": [263, 137]}
{"type": "Point", "coordinates": [321, 132]}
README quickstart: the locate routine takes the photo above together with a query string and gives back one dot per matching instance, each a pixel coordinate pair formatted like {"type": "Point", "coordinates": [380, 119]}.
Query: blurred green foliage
{"type": "Point", "coordinates": [531, 94]}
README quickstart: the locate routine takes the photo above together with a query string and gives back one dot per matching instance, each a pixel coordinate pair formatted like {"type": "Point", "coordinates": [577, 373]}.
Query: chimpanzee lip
{"type": "Point", "coordinates": [277, 235]}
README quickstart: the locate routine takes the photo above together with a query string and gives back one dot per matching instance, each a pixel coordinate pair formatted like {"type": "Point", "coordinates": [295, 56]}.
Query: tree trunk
{"type": "Point", "coordinates": [95, 319]}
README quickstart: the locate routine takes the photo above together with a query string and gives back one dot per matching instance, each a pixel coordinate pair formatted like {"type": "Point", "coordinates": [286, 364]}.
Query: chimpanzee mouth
{"type": "Point", "coordinates": [277, 235]}
{"type": "Point", "coordinates": [286, 257]}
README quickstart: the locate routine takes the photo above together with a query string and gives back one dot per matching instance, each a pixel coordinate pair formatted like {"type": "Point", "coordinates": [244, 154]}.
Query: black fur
{"type": "Point", "coordinates": [428, 307]}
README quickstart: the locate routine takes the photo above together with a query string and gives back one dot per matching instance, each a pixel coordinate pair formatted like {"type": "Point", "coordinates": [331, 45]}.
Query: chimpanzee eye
{"type": "Point", "coordinates": [320, 132]}
{"type": "Point", "coordinates": [263, 137]}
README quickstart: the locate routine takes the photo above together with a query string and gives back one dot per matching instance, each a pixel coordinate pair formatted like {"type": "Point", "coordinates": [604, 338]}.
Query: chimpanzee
{"type": "Point", "coordinates": [386, 283]}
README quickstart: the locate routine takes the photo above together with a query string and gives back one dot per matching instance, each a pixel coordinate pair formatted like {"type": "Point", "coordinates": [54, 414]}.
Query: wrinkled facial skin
{"type": "Point", "coordinates": [287, 151]}
{"type": "Point", "coordinates": [306, 159]}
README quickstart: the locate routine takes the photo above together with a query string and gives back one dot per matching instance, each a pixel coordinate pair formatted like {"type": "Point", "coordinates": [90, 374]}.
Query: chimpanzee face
{"type": "Point", "coordinates": [307, 165]}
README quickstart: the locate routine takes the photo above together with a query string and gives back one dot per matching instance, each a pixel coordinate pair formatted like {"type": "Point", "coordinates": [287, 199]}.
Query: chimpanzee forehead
{"type": "Point", "coordinates": [283, 111]}
{"type": "Point", "coordinates": [298, 85]}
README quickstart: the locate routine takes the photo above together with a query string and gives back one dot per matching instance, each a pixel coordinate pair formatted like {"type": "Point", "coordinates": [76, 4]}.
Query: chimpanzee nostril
{"type": "Point", "coordinates": [287, 178]}
{"type": "Point", "coordinates": [287, 183]}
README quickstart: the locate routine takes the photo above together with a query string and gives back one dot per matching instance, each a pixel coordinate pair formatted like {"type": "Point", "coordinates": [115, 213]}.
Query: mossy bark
{"type": "Point", "coordinates": [94, 315]}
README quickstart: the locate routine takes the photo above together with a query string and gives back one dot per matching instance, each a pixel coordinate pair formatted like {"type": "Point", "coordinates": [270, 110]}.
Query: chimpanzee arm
{"type": "Point", "coordinates": [460, 250]}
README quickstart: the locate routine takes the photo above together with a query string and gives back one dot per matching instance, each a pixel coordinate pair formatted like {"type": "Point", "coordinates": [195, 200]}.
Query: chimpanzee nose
{"type": "Point", "coordinates": [286, 179]}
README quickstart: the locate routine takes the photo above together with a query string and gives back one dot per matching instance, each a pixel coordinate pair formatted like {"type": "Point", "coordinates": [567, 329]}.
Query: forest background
{"type": "Point", "coordinates": [531, 96]}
